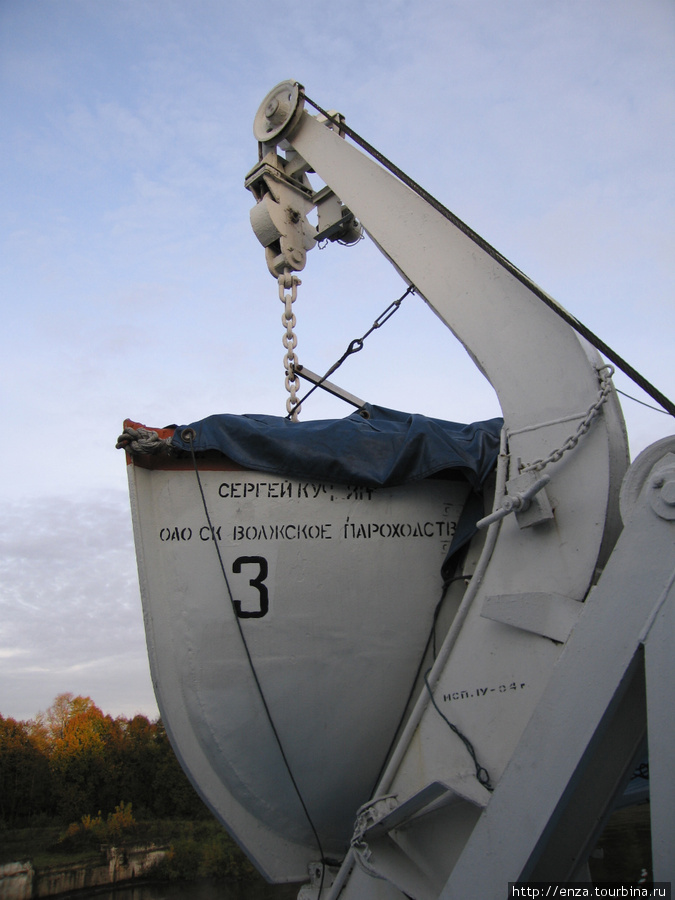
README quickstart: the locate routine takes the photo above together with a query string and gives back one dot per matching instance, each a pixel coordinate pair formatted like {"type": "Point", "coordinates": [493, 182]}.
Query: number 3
{"type": "Point", "coordinates": [257, 583]}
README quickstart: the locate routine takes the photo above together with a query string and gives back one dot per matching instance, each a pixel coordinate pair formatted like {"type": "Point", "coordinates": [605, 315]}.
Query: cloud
{"type": "Point", "coordinates": [70, 605]}
{"type": "Point", "coordinates": [134, 285]}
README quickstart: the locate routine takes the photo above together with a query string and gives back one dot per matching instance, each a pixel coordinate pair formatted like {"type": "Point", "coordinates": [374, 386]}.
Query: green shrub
{"type": "Point", "coordinates": [92, 831]}
{"type": "Point", "coordinates": [204, 850]}
{"type": "Point", "coordinates": [120, 823]}
{"type": "Point", "coordinates": [221, 859]}
{"type": "Point", "coordinates": [182, 862]}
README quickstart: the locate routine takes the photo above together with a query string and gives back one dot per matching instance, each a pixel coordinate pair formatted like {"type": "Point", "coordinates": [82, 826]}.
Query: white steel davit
{"type": "Point", "coordinates": [400, 657]}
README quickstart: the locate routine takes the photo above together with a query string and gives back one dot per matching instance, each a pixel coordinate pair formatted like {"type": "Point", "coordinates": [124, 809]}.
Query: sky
{"type": "Point", "coordinates": [133, 286]}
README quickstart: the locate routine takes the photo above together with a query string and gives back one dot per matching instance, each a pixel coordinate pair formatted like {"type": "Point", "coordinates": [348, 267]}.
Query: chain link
{"type": "Point", "coordinates": [288, 289]}
{"type": "Point", "coordinates": [605, 377]}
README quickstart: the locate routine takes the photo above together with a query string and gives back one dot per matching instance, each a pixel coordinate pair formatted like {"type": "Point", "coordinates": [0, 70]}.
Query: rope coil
{"type": "Point", "coordinates": [142, 441]}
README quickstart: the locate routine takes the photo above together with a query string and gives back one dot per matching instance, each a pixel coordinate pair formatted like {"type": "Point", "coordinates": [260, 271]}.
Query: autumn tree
{"type": "Point", "coordinates": [81, 742]}
{"type": "Point", "coordinates": [25, 788]}
{"type": "Point", "coordinates": [74, 761]}
{"type": "Point", "coordinates": [54, 720]}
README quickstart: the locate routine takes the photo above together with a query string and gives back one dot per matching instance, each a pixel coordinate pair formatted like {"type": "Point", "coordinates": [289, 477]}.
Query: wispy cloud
{"type": "Point", "coordinates": [69, 601]}
{"type": "Point", "coordinates": [134, 285]}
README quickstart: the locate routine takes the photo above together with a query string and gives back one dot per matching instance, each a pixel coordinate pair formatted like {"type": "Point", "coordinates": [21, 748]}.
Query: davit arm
{"type": "Point", "coordinates": [522, 655]}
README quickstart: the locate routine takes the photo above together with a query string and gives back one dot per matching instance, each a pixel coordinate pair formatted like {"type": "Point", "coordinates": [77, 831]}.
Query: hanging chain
{"type": "Point", "coordinates": [288, 282]}
{"type": "Point", "coordinates": [605, 376]}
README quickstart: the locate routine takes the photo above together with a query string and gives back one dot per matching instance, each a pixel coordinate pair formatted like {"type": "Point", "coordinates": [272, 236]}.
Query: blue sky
{"type": "Point", "coordinates": [132, 283]}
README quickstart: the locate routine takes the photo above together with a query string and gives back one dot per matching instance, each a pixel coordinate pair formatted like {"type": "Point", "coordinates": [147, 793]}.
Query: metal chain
{"type": "Point", "coordinates": [605, 376]}
{"type": "Point", "coordinates": [288, 282]}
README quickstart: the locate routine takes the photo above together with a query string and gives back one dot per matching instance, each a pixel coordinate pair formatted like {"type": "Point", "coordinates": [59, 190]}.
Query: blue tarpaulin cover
{"type": "Point", "coordinates": [380, 448]}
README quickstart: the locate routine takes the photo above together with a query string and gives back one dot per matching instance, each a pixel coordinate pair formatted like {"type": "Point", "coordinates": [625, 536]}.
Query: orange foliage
{"type": "Point", "coordinates": [74, 761]}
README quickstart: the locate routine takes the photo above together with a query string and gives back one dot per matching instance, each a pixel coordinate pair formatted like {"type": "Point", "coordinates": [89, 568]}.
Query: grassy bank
{"type": "Point", "coordinates": [197, 849]}
{"type": "Point", "coordinates": [202, 849]}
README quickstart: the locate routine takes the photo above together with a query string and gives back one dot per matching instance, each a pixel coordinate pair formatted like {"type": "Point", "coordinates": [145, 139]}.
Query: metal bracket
{"type": "Point", "coordinates": [526, 498]}
{"type": "Point", "coordinates": [550, 615]}
{"type": "Point", "coordinates": [279, 218]}
{"type": "Point", "coordinates": [321, 878]}
{"type": "Point", "coordinates": [313, 378]}
{"type": "Point", "coordinates": [336, 222]}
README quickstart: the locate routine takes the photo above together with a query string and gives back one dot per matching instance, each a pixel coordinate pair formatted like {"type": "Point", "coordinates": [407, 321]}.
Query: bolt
{"type": "Point", "coordinates": [271, 107]}
{"type": "Point", "coordinates": [668, 493]}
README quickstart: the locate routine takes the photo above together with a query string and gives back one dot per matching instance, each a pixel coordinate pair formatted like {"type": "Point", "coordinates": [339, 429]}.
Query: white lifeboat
{"type": "Point", "coordinates": [291, 601]}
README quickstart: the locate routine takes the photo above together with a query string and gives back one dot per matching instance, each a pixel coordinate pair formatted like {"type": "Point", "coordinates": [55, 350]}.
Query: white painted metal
{"type": "Point", "coordinates": [313, 378]}
{"type": "Point", "coordinates": [632, 604]}
{"type": "Point", "coordinates": [277, 112]}
{"type": "Point", "coordinates": [279, 217]}
{"type": "Point", "coordinates": [489, 676]}
{"type": "Point", "coordinates": [660, 672]}
{"type": "Point", "coordinates": [546, 688]}
{"type": "Point", "coordinates": [351, 578]}
{"type": "Point", "coordinates": [545, 614]}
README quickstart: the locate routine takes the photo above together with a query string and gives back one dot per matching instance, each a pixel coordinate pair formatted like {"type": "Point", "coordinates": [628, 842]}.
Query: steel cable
{"type": "Point", "coordinates": [571, 320]}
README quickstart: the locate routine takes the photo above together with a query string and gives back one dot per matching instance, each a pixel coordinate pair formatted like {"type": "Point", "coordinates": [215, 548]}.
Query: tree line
{"type": "Point", "coordinates": [74, 761]}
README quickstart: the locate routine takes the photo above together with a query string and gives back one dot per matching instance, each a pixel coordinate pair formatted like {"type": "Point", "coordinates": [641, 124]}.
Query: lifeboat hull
{"type": "Point", "coordinates": [278, 613]}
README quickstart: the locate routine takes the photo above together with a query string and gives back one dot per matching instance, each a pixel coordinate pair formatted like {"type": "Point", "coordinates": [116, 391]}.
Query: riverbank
{"type": "Point", "coordinates": [120, 865]}
{"type": "Point", "coordinates": [38, 863]}
{"type": "Point", "coordinates": [45, 862]}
